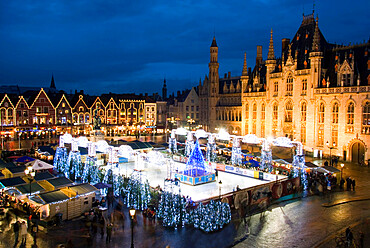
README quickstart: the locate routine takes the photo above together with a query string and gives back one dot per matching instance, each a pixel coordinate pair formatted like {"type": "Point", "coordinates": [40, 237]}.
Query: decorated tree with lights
{"type": "Point", "coordinates": [90, 171]}
{"type": "Point", "coordinates": [138, 193]}
{"type": "Point", "coordinates": [172, 210]}
{"type": "Point", "coordinates": [74, 167]}
{"type": "Point", "coordinates": [60, 159]}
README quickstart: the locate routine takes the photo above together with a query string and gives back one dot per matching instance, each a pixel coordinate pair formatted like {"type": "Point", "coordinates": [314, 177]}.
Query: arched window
{"type": "Point", "coordinates": [366, 118]}
{"type": "Point", "coordinates": [254, 113]}
{"type": "Point", "coordinates": [263, 117]}
{"type": "Point", "coordinates": [321, 113]}
{"type": "Point", "coordinates": [275, 111]}
{"type": "Point", "coordinates": [303, 111]}
{"type": "Point", "coordinates": [247, 118]}
{"type": "Point", "coordinates": [335, 113]}
{"type": "Point", "coordinates": [350, 117]}
{"type": "Point", "coordinates": [289, 85]}
{"type": "Point", "coordinates": [275, 115]}
{"type": "Point", "coordinates": [289, 111]}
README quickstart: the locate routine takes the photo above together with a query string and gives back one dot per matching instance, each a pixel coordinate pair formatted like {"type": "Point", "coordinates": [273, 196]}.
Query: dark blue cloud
{"type": "Point", "coordinates": [130, 46]}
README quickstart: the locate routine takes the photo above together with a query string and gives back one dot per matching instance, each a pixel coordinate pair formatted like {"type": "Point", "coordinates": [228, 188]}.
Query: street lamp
{"type": "Point", "coordinates": [219, 189]}
{"type": "Point", "coordinates": [341, 171]}
{"type": "Point", "coordinates": [330, 147]}
{"type": "Point", "coordinates": [132, 215]}
{"type": "Point", "coordinates": [30, 173]}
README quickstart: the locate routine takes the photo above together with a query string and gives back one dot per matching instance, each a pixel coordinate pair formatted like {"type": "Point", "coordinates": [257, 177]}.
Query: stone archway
{"type": "Point", "coordinates": [357, 152]}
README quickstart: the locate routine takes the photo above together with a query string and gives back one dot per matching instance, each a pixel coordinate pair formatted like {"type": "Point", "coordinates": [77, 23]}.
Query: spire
{"type": "Point", "coordinates": [245, 68]}
{"type": "Point", "coordinates": [52, 83]}
{"type": "Point", "coordinates": [271, 54]}
{"type": "Point", "coordinates": [316, 37]}
{"type": "Point", "coordinates": [164, 89]}
{"type": "Point", "coordinates": [214, 44]}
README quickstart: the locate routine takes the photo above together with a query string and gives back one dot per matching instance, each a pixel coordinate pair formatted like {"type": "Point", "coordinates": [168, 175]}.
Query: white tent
{"type": "Point", "coordinates": [39, 165]}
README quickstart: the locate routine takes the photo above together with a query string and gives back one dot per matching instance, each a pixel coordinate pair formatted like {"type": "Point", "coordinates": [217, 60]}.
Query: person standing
{"type": "Point", "coordinates": [109, 233]}
{"type": "Point", "coordinates": [349, 182]}
{"type": "Point", "coordinates": [24, 232]}
{"type": "Point", "coordinates": [16, 227]}
{"type": "Point", "coordinates": [102, 226]}
{"type": "Point", "coordinates": [353, 184]}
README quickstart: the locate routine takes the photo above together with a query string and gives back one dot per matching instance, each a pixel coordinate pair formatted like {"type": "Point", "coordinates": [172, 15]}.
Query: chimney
{"type": "Point", "coordinates": [259, 55]}
{"type": "Point", "coordinates": [225, 75]}
{"type": "Point", "coordinates": [229, 74]}
{"type": "Point", "coordinates": [146, 94]}
{"type": "Point", "coordinates": [178, 93]}
{"type": "Point", "coordinates": [284, 44]}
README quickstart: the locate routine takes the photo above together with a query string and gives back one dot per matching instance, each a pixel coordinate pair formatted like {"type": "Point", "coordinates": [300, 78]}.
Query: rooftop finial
{"type": "Point", "coordinates": [316, 37]}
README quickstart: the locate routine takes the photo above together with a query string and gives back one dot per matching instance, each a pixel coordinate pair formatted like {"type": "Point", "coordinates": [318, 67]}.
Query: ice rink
{"type": "Point", "coordinates": [156, 173]}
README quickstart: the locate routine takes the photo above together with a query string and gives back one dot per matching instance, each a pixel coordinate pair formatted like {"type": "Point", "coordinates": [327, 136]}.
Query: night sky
{"type": "Point", "coordinates": [104, 46]}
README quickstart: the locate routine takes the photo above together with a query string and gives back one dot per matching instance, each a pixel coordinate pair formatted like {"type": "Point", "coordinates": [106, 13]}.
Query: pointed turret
{"type": "Point", "coordinates": [316, 37]}
{"type": "Point", "coordinates": [52, 83]}
{"type": "Point", "coordinates": [245, 68]}
{"type": "Point", "coordinates": [214, 43]}
{"type": "Point", "coordinates": [271, 54]}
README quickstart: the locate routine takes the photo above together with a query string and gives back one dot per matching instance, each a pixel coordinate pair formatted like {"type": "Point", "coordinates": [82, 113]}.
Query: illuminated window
{"type": "Point", "coordinates": [335, 113]}
{"type": "Point", "coordinates": [275, 111]}
{"type": "Point", "coordinates": [366, 118]}
{"type": "Point", "coordinates": [263, 117]}
{"type": "Point", "coordinates": [321, 113]}
{"type": "Point", "coordinates": [350, 117]}
{"type": "Point", "coordinates": [289, 112]}
{"type": "Point", "coordinates": [304, 86]}
{"type": "Point", "coordinates": [63, 105]}
{"type": "Point", "coordinates": [275, 114]}
{"type": "Point", "coordinates": [303, 111]}
{"type": "Point", "coordinates": [254, 113]}
{"type": "Point", "coordinates": [276, 88]}
{"type": "Point", "coordinates": [246, 118]}
{"type": "Point", "coordinates": [303, 132]}
{"type": "Point", "coordinates": [289, 86]}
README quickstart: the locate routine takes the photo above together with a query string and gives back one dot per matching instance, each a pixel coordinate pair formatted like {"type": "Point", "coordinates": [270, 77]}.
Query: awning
{"type": "Point", "coordinates": [40, 165]}
{"type": "Point", "coordinates": [24, 159]}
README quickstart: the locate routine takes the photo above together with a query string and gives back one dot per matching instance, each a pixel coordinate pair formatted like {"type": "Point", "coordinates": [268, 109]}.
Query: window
{"type": "Point", "coordinates": [303, 132]}
{"type": "Point", "coordinates": [275, 111]}
{"type": "Point", "coordinates": [197, 108]}
{"type": "Point", "coordinates": [321, 113]}
{"type": "Point", "coordinates": [289, 112]}
{"type": "Point", "coordinates": [254, 116]}
{"type": "Point", "coordinates": [289, 86]}
{"type": "Point", "coordinates": [192, 108]}
{"type": "Point", "coordinates": [38, 109]}
{"type": "Point", "coordinates": [152, 109]}
{"type": "Point", "coordinates": [192, 115]}
{"type": "Point", "coordinates": [46, 110]}
{"type": "Point", "coordinates": [81, 109]}
{"type": "Point", "coordinates": [276, 88]}
{"type": "Point", "coordinates": [192, 100]}
{"type": "Point", "coordinates": [346, 79]}
{"type": "Point", "coordinates": [304, 86]}
{"type": "Point", "coordinates": [263, 116]}
{"type": "Point", "coordinates": [197, 115]}
{"type": "Point", "coordinates": [22, 105]}
{"type": "Point", "coordinates": [254, 111]}
{"type": "Point", "coordinates": [366, 118]}
{"type": "Point", "coordinates": [335, 113]}
{"type": "Point", "coordinates": [350, 117]}
{"type": "Point", "coordinates": [303, 111]}
{"type": "Point", "coordinates": [246, 118]}
{"type": "Point", "coordinates": [42, 99]}
{"type": "Point", "coordinates": [63, 105]}
{"type": "Point", "coordinates": [187, 108]}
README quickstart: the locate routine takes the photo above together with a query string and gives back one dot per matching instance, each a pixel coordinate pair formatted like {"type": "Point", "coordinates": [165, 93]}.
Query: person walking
{"type": "Point", "coordinates": [16, 227]}
{"type": "Point", "coordinates": [24, 232]}
{"type": "Point", "coordinates": [353, 184]}
{"type": "Point", "coordinates": [349, 182]}
{"type": "Point", "coordinates": [109, 233]}
{"type": "Point", "coordinates": [102, 226]}
{"type": "Point", "coordinates": [349, 237]}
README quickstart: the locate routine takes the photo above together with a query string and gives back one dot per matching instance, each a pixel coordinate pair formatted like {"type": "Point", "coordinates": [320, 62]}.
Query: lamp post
{"type": "Point", "coordinates": [30, 174]}
{"type": "Point", "coordinates": [330, 147]}
{"type": "Point", "coordinates": [132, 215]}
{"type": "Point", "coordinates": [219, 189]}
{"type": "Point", "coordinates": [341, 171]}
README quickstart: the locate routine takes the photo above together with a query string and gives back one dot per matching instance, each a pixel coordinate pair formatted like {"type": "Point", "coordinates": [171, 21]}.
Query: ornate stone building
{"type": "Point", "coordinates": [316, 93]}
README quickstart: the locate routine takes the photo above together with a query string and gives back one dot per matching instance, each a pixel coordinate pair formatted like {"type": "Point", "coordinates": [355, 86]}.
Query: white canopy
{"type": "Point", "coordinates": [39, 165]}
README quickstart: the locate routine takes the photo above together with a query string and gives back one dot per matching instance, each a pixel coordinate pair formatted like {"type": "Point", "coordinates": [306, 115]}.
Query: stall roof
{"type": "Point", "coordinates": [43, 176]}
{"type": "Point", "coordinates": [331, 169]}
{"type": "Point", "coordinates": [53, 196]}
{"type": "Point", "coordinates": [139, 145]}
{"type": "Point", "coordinates": [11, 182]}
{"type": "Point", "coordinates": [7, 165]}
{"type": "Point", "coordinates": [48, 149]}
{"type": "Point", "coordinates": [310, 165]}
{"type": "Point", "coordinates": [59, 181]}
{"type": "Point", "coordinates": [281, 161]}
{"type": "Point", "coordinates": [83, 188]}
{"type": "Point", "coordinates": [40, 165]}
{"type": "Point", "coordinates": [25, 188]}
{"type": "Point", "coordinates": [24, 159]}
{"type": "Point", "coordinates": [17, 169]}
